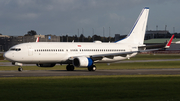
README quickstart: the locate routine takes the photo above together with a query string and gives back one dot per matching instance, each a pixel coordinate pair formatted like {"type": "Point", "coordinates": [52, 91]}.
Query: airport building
{"type": "Point", "coordinates": [157, 34]}
{"type": "Point", "coordinates": [151, 37]}
{"type": "Point", "coordinates": [4, 40]}
{"type": "Point", "coordinates": [7, 42]}
{"type": "Point", "coordinates": [42, 38]}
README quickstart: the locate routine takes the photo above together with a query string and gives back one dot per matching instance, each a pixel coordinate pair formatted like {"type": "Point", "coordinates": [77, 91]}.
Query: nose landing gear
{"type": "Point", "coordinates": [20, 69]}
{"type": "Point", "coordinates": [18, 64]}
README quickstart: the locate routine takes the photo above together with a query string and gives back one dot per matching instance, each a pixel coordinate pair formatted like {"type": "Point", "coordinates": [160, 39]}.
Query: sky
{"type": "Point", "coordinates": [65, 17]}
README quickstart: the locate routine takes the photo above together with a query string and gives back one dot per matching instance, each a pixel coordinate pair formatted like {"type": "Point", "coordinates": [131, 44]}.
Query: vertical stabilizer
{"type": "Point", "coordinates": [136, 35]}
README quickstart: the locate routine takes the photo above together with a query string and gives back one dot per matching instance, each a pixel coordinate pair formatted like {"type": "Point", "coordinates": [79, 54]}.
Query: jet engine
{"type": "Point", "coordinates": [82, 62]}
{"type": "Point", "coordinates": [46, 65]}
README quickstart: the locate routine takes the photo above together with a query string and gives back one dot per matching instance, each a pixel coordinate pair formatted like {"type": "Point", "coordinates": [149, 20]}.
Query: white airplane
{"type": "Point", "coordinates": [76, 54]}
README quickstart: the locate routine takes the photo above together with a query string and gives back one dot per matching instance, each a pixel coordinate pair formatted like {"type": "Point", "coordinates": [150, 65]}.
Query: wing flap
{"type": "Point", "coordinates": [111, 55]}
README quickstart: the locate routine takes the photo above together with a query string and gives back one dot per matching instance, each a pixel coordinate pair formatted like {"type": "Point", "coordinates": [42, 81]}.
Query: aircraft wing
{"type": "Point", "coordinates": [158, 46]}
{"type": "Point", "coordinates": [111, 55]}
{"type": "Point", "coordinates": [124, 54]}
{"type": "Point", "coordinates": [107, 55]}
{"type": "Point", "coordinates": [155, 46]}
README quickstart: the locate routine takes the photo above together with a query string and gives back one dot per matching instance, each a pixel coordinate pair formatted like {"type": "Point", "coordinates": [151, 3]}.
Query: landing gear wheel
{"type": "Point", "coordinates": [20, 69]}
{"type": "Point", "coordinates": [92, 68]}
{"type": "Point", "coordinates": [70, 68]}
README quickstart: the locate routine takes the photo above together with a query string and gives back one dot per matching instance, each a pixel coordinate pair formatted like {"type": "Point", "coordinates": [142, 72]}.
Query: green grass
{"type": "Point", "coordinates": [96, 88]}
{"type": "Point", "coordinates": [141, 65]}
{"type": "Point", "coordinates": [91, 88]}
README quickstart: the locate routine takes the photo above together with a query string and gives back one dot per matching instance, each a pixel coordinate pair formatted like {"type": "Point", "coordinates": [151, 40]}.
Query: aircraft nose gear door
{"type": "Point", "coordinates": [30, 50]}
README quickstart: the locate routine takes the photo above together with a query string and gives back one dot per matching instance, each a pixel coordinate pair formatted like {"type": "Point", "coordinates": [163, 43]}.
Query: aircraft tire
{"type": "Point", "coordinates": [20, 69]}
{"type": "Point", "coordinates": [92, 68]}
{"type": "Point", "coordinates": [70, 68]}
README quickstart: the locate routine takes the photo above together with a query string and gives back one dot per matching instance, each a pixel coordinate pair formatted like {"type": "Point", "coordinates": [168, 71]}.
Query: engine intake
{"type": "Point", "coordinates": [82, 62]}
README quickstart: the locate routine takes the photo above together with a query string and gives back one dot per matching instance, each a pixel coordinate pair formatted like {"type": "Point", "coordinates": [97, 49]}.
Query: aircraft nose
{"type": "Point", "coordinates": [6, 55]}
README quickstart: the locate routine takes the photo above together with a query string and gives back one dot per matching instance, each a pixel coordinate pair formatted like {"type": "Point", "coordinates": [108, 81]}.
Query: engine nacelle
{"type": "Point", "coordinates": [17, 64]}
{"type": "Point", "coordinates": [46, 65]}
{"type": "Point", "coordinates": [82, 62]}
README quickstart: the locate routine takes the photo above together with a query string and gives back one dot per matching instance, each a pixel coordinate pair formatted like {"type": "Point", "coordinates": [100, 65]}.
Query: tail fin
{"type": "Point", "coordinates": [136, 35]}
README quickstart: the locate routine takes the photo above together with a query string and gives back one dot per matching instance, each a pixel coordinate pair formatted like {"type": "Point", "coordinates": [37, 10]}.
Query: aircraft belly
{"type": "Point", "coordinates": [49, 58]}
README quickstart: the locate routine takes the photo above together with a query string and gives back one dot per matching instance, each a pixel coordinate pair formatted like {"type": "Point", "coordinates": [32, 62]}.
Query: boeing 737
{"type": "Point", "coordinates": [81, 54]}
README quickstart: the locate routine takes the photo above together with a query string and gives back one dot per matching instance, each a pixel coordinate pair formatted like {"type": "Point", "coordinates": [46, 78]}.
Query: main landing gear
{"type": "Point", "coordinates": [92, 68]}
{"type": "Point", "coordinates": [70, 67]}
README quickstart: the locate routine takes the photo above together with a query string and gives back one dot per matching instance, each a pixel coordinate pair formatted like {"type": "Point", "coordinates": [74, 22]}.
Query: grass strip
{"type": "Point", "coordinates": [96, 88]}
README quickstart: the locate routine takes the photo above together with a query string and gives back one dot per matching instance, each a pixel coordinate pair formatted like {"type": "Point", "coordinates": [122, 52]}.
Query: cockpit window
{"type": "Point", "coordinates": [12, 49]}
{"type": "Point", "coordinates": [15, 49]}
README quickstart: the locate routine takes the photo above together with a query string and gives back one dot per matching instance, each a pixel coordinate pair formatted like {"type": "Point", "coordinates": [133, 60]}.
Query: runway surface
{"type": "Point", "coordinates": [41, 73]}
{"type": "Point", "coordinates": [126, 61]}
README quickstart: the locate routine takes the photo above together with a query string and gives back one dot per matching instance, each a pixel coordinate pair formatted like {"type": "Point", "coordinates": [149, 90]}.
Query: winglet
{"type": "Point", "coordinates": [37, 40]}
{"type": "Point", "coordinates": [169, 43]}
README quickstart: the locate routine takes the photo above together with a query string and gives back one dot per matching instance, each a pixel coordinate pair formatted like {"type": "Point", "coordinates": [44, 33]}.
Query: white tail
{"type": "Point", "coordinates": [136, 35]}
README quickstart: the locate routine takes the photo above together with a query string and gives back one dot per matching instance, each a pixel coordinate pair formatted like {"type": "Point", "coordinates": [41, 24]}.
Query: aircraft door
{"type": "Point", "coordinates": [30, 50]}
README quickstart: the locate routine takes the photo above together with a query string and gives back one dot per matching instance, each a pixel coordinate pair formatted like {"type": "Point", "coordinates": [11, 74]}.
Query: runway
{"type": "Point", "coordinates": [125, 61]}
{"type": "Point", "coordinates": [42, 73]}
